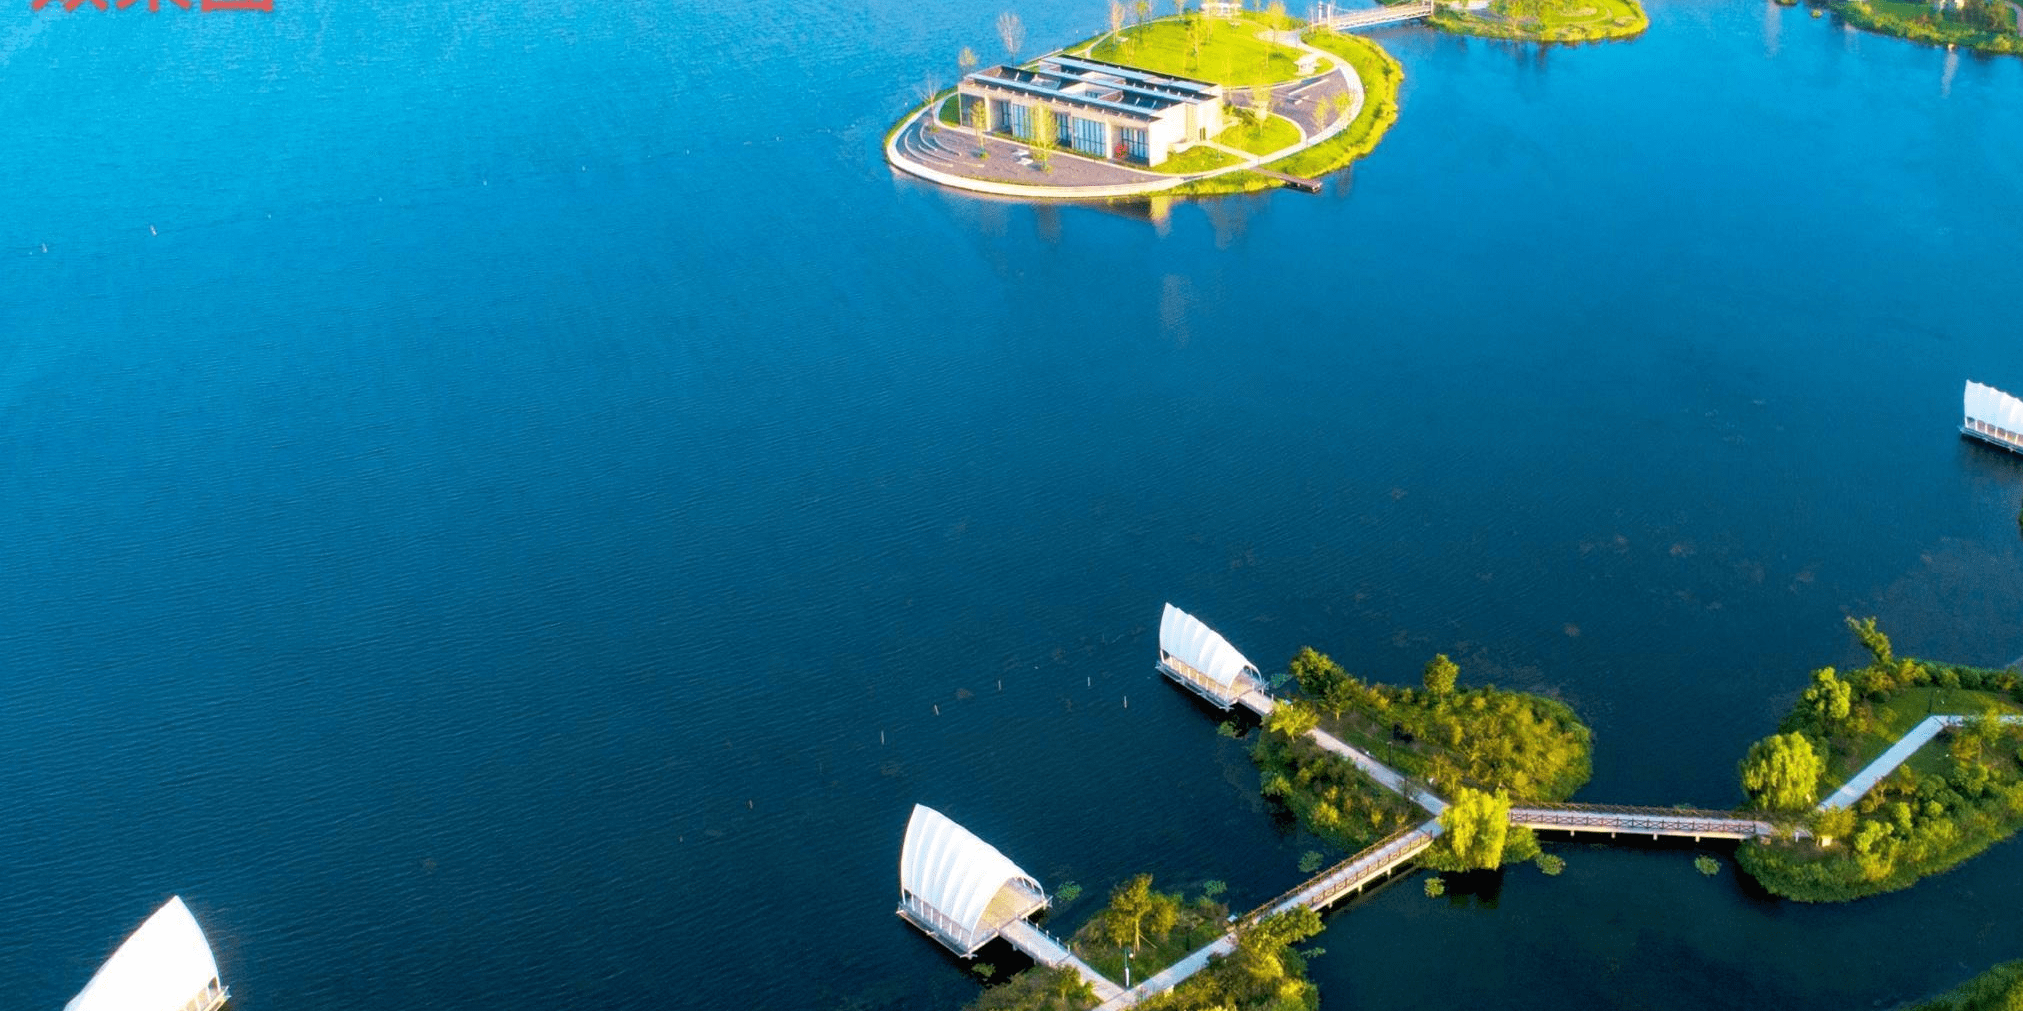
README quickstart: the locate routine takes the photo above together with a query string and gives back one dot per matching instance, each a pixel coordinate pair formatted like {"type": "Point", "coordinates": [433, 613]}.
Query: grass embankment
{"type": "Point", "coordinates": [1987, 26]}
{"type": "Point", "coordinates": [1382, 75]}
{"type": "Point", "coordinates": [1220, 50]}
{"type": "Point", "coordinates": [1998, 989]}
{"type": "Point", "coordinates": [1547, 20]}
{"type": "Point", "coordinates": [1195, 159]}
{"type": "Point", "coordinates": [1955, 797]}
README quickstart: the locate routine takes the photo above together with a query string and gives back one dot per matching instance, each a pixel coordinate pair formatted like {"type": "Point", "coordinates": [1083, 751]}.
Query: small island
{"type": "Point", "coordinates": [1544, 20]}
{"type": "Point", "coordinates": [1920, 765]}
{"type": "Point", "coordinates": [1988, 26]}
{"type": "Point", "coordinates": [1192, 104]}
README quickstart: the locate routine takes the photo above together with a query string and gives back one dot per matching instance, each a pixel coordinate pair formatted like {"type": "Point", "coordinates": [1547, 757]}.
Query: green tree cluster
{"type": "Point", "coordinates": [1327, 793]}
{"type": "Point", "coordinates": [1136, 910]}
{"type": "Point", "coordinates": [1263, 973]}
{"type": "Point", "coordinates": [1156, 928]}
{"type": "Point", "coordinates": [1040, 988]}
{"type": "Point", "coordinates": [1476, 834]}
{"type": "Point", "coordinates": [1482, 737]}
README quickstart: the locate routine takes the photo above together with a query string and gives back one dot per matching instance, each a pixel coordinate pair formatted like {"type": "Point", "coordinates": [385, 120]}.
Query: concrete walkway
{"type": "Point", "coordinates": [1896, 755]}
{"type": "Point", "coordinates": [1043, 948]}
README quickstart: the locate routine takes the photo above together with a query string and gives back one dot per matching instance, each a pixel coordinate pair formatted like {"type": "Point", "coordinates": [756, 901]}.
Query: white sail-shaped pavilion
{"type": "Point", "coordinates": [1196, 656]}
{"type": "Point", "coordinates": [1993, 417]}
{"type": "Point", "coordinates": [958, 888]}
{"type": "Point", "coordinates": [165, 966]}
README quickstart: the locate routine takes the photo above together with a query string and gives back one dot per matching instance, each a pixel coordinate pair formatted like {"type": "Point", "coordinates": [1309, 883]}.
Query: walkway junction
{"type": "Point", "coordinates": [963, 893]}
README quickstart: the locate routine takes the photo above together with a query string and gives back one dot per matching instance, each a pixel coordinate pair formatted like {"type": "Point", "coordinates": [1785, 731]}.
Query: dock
{"type": "Point", "coordinates": [1993, 417]}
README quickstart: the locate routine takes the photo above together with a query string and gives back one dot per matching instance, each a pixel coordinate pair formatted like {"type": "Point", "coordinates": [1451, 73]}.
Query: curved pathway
{"type": "Point", "coordinates": [1898, 754]}
{"type": "Point", "coordinates": [939, 152]}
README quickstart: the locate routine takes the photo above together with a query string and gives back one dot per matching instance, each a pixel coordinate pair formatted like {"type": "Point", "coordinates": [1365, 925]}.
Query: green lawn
{"type": "Point", "coordinates": [949, 111]}
{"type": "Point", "coordinates": [1895, 716]}
{"type": "Point", "coordinates": [1228, 52]}
{"type": "Point", "coordinates": [1201, 920]}
{"type": "Point", "coordinates": [1274, 134]}
{"type": "Point", "coordinates": [1548, 20]}
{"type": "Point", "coordinates": [1382, 76]}
{"type": "Point", "coordinates": [1195, 159]}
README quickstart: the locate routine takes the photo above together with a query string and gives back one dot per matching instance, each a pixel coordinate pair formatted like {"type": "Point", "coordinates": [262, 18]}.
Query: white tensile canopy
{"type": "Point", "coordinates": [161, 967]}
{"type": "Point", "coordinates": [1992, 406]}
{"type": "Point", "coordinates": [1186, 639]}
{"type": "Point", "coordinates": [953, 872]}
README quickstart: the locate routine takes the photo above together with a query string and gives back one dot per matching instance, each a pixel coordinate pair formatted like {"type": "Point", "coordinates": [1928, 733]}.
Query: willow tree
{"type": "Point", "coordinates": [1781, 772]}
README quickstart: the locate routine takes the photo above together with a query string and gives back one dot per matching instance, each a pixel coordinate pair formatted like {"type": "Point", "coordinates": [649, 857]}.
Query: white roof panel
{"type": "Point", "coordinates": [1184, 637]}
{"type": "Point", "coordinates": [1986, 403]}
{"type": "Point", "coordinates": [952, 870]}
{"type": "Point", "coordinates": [164, 964]}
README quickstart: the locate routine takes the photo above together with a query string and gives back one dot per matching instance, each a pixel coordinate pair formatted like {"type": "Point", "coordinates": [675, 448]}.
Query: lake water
{"type": "Point", "coordinates": [480, 479]}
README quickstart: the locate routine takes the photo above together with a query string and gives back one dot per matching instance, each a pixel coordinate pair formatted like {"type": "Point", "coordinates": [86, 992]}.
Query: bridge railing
{"type": "Point", "coordinates": [1378, 855]}
{"type": "Point", "coordinates": [1663, 819]}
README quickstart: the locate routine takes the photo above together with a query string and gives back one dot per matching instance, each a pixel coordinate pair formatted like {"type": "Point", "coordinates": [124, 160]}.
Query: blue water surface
{"type": "Point", "coordinates": [508, 505]}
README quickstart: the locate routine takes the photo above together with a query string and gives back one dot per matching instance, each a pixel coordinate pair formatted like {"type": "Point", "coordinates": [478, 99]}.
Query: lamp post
{"type": "Point", "coordinates": [1127, 967]}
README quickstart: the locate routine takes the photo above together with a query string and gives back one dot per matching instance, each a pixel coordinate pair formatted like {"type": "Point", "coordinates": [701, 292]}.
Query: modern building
{"type": "Point", "coordinates": [165, 966]}
{"type": "Point", "coordinates": [958, 888]}
{"type": "Point", "coordinates": [1101, 110]}
{"type": "Point", "coordinates": [1201, 660]}
{"type": "Point", "coordinates": [1993, 417]}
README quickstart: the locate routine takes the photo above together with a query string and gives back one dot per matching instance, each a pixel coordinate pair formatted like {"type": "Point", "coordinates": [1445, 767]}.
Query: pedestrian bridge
{"type": "Point", "coordinates": [1652, 821]}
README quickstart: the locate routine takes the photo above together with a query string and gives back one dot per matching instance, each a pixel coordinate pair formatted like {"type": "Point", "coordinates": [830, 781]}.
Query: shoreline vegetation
{"type": "Point", "coordinates": [1956, 796]}
{"type": "Point", "coordinates": [1998, 989]}
{"type": "Point", "coordinates": [1986, 26]}
{"type": "Point", "coordinates": [1545, 20]}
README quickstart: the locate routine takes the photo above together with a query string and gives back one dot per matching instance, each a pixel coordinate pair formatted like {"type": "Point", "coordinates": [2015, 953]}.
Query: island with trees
{"type": "Point", "coordinates": [1954, 797]}
{"type": "Point", "coordinates": [1544, 20]}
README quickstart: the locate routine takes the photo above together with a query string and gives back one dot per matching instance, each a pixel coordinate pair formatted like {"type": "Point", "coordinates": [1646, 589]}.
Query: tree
{"type": "Point", "coordinates": [1260, 106]}
{"type": "Point", "coordinates": [1781, 772]}
{"type": "Point", "coordinates": [930, 86]}
{"type": "Point", "coordinates": [1116, 19]}
{"type": "Point", "coordinates": [979, 120]}
{"type": "Point", "coordinates": [1071, 990]}
{"type": "Point", "coordinates": [1473, 831]}
{"type": "Point", "coordinates": [1179, 8]}
{"type": "Point", "coordinates": [1877, 643]}
{"type": "Point", "coordinates": [1315, 672]}
{"type": "Point", "coordinates": [1292, 718]}
{"type": "Point", "coordinates": [1441, 674]}
{"type": "Point", "coordinates": [1045, 138]}
{"type": "Point", "coordinates": [1136, 910]}
{"type": "Point", "coordinates": [966, 60]}
{"type": "Point", "coordinates": [1142, 8]}
{"type": "Point", "coordinates": [1829, 698]}
{"type": "Point", "coordinates": [1012, 32]}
